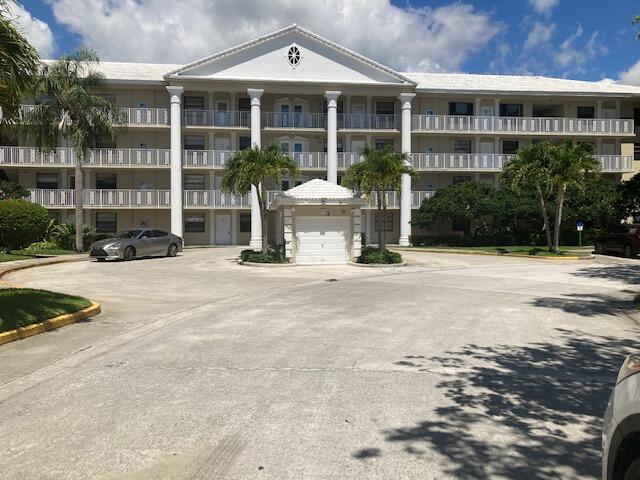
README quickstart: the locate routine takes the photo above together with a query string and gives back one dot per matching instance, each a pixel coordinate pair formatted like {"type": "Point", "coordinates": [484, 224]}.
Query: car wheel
{"type": "Point", "coordinates": [101, 259]}
{"type": "Point", "coordinates": [129, 253]}
{"type": "Point", "coordinates": [627, 251]}
{"type": "Point", "coordinates": [633, 472]}
{"type": "Point", "coordinates": [599, 248]}
{"type": "Point", "coordinates": [173, 250]}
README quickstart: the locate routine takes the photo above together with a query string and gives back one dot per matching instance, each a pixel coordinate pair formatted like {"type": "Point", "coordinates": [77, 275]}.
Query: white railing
{"type": "Point", "coordinates": [392, 199]}
{"type": "Point", "coordinates": [471, 162]}
{"type": "Point", "coordinates": [346, 159]}
{"type": "Point", "coordinates": [419, 196]}
{"type": "Point", "coordinates": [310, 160]}
{"type": "Point", "coordinates": [57, 198]}
{"type": "Point", "coordinates": [616, 163]}
{"type": "Point", "coordinates": [363, 121]}
{"type": "Point", "coordinates": [31, 156]}
{"type": "Point", "coordinates": [522, 125]}
{"type": "Point", "coordinates": [294, 120]}
{"type": "Point", "coordinates": [145, 116]}
{"type": "Point", "coordinates": [206, 158]}
{"type": "Point", "coordinates": [217, 118]}
{"type": "Point", "coordinates": [128, 157]}
{"type": "Point", "coordinates": [126, 198]}
{"type": "Point", "coordinates": [214, 198]}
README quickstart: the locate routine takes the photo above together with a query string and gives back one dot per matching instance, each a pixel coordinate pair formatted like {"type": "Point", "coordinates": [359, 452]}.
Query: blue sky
{"type": "Point", "coordinates": [584, 39]}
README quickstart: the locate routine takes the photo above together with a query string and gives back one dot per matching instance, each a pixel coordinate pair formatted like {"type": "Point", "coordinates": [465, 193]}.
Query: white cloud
{"type": "Point", "coordinates": [573, 57]}
{"type": "Point", "coordinates": [543, 6]}
{"type": "Point", "coordinates": [631, 76]}
{"type": "Point", "coordinates": [427, 39]}
{"type": "Point", "coordinates": [539, 35]}
{"type": "Point", "coordinates": [36, 31]}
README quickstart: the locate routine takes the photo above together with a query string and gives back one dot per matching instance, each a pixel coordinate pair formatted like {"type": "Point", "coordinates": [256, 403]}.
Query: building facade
{"type": "Point", "coordinates": [321, 103]}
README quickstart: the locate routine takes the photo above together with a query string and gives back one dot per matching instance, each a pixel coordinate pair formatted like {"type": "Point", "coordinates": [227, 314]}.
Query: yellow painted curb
{"type": "Point", "coordinates": [482, 252]}
{"type": "Point", "coordinates": [50, 324]}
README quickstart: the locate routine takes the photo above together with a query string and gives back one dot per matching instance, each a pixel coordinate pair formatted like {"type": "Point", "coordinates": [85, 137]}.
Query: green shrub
{"type": "Point", "coordinates": [373, 255]}
{"type": "Point", "coordinates": [21, 223]}
{"type": "Point", "coordinates": [65, 235]}
{"type": "Point", "coordinates": [42, 246]}
{"type": "Point", "coordinates": [12, 190]}
{"type": "Point", "coordinates": [253, 256]}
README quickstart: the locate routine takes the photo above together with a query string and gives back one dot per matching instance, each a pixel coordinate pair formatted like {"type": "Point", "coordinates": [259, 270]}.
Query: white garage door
{"type": "Point", "coordinates": [322, 240]}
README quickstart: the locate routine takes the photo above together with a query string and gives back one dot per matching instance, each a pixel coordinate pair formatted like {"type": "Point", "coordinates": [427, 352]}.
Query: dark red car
{"type": "Point", "coordinates": [625, 242]}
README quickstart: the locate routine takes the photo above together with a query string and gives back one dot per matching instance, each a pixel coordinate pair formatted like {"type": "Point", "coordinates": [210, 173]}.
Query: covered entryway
{"type": "Point", "coordinates": [319, 223]}
{"type": "Point", "coordinates": [322, 240]}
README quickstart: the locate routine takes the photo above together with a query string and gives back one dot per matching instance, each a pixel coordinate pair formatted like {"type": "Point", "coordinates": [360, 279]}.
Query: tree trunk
{"type": "Point", "coordinates": [380, 232]}
{"type": "Point", "coordinates": [262, 194]}
{"type": "Point", "coordinates": [545, 217]}
{"type": "Point", "coordinates": [559, 205]}
{"type": "Point", "coordinates": [79, 247]}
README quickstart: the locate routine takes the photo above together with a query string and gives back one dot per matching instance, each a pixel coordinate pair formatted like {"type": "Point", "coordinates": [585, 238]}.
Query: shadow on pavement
{"type": "Point", "coordinates": [589, 305]}
{"type": "Point", "coordinates": [624, 273]}
{"type": "Point", "coordinates": [529, 412]}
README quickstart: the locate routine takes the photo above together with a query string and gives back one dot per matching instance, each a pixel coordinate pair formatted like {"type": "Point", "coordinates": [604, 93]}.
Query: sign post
{"type": "Point", "coordinates": [579, 228]}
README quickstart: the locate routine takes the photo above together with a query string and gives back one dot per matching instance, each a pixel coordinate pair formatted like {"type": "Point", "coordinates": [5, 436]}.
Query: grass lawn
{"type": "Point", "coordinates": [24, 306]}
{"type": "Point", "coordinates": [9, 257]}
{"type": "Point", "coordinates": [23, 254]}
{"type": "Point", "coordinates": [565, 251]}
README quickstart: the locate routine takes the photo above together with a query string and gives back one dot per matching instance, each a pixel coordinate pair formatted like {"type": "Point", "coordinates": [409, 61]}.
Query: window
{"type": "Point", "coordinates": [586, 112]}
{"type": "Point", "coordinates": [460, 179]}
{"type": "Point", "coordinates": [221, 106]}
{"type": "Point", "coordinates": [194, 223]}
{"type": "Point", "coordinates": [46, 180]}
{"type": "Point", "coordinates": [284, 147]}
{"type": "Point", "coordinates": [245, 222]}
{"type": "Point", "coordinates": [194, 181]}
{"type": "Point", "coordinates": [510, 147]}
{"type": "Point", "coordinates": [193, 142]}
{"type": "Point", "coordinates": [244, 104]}
{"type": "Point", "coordinates": [106, 222]}
{"type": "Point", "coordinates": [193, 103]}
{"type": "Point", "coordinates": [106, 181]}
{"type": "Point", "coordinates": [294, 56]}
{"type": "Point", "coordinates": [510, 109]}
{"type": "Point", "coordinates": [460, 108]}
{"type": "Point", "coordinates": [388, 222]}
{"type": "Point", "coordinates": [636, 151]}
{"type": "Point", "coordinates": [142, 104]}
{"type": "Point", "coordinates": [159, 233]}
{"type": "Point", "coordinates": [385, 108]}
{"type": "Point", "coordinates": [383, 142]}
{"type": "Point", "coordinates": [462, 146]}
{"type": "Point", "coordinates": [244, 142]}
{"type": "Point", "coordinates": [284, 185]}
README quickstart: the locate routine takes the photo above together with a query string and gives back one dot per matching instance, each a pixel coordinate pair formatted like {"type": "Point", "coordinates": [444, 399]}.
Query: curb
{"type": "Point", "coordinates": [276, 265]}
{"type": "Point", "coordinates": [510, 255]}
{"type": "Point", "coordinates": [50, 324]}
{"type": "Point", "coordinates": [378, 265]}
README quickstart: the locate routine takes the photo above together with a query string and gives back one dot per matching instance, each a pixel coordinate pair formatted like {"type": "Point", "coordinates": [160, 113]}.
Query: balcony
{"type": "Point", "coordinates": [128, 157]}
{"type": "Point", "coordinates": [32, 157]}
{"type": "Point", "coordinates": [216, 118]}
{"type": "Point", "coordinates": [616, 163]}
{"type": "Point", "coordinates": [452, 162]}
{"type": "Point", "coordinates": [361, 121]}
{"type": "Point", "coordinates": [294, 121]}
{"type": "Point", "coordinates": [393, 199]}
{"type": "Point", "coordinates": [214, 199]}
{"type": "Point", "coordinates": [555, 126]}
{"type": "Point", "coordinates": [151, 117]}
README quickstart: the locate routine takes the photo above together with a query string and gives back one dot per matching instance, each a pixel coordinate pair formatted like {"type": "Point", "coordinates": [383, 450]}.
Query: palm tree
{"type": "Point", "coordinates": [19, 64]}
{"type": "Point", "coordinates": [572, 162]}
{"type": "Point", "coordinates": [379, 172]}
{"type": "Point", "coordinates": [255, 167]}
{"type": "Point", "coordinates": [530, 170]}
{"type": "Point", "coordinates": [69, 106]}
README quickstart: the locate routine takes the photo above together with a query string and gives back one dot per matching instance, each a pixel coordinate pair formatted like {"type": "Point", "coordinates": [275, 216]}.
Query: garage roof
{"type": "Point", "coordinates": [317, 189]}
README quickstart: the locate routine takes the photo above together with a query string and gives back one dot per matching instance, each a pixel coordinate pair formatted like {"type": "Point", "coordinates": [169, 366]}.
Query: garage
{"type": "Point", "coordinates": [322, 240]}
{"type": "Point", "coordinates": [319, 223]}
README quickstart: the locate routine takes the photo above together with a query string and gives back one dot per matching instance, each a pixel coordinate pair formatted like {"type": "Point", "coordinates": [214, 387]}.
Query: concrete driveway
{"type": "Point", "coordinates": [466, 367]}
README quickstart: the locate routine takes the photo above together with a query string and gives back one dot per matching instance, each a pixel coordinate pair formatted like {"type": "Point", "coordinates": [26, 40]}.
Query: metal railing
{"type": "Point", "coordinates": [364, 121]}
{"type": "Point", "coordinates": [310, 160]}
{"type": "Point", "coordinates": [145, 116]}
{"type": "Point", "coordinates": [206, 158]}
{"type": "Point", "coordinates": [128, 157]}
{"type": "Point", "coordinates": [471, 162]}
{"type": "Point", "coordinates": [53, 198]}
{"type": "Point", "coordinates": [392, 199]}
{"type": "Point", "coordinates": [95, 198]}
{"type": "Point", "coordinates": [616, 163]}
{"type": "Point", "coordinates": [214, 198]}
{"type": "Point", "coordinates": [217, 118]}
{"type": "Point", "coordinates": [346, 159]}
{"type": "Point", "coordinates": [31, 156]}
{"type": "Point", "coordinates": [294, 120]}
{"type": "Point", "coordinates": [522, 125]}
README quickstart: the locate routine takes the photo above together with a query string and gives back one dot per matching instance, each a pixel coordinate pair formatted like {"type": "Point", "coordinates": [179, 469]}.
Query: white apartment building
{"type": "Point", "coordinates": [321, 103]}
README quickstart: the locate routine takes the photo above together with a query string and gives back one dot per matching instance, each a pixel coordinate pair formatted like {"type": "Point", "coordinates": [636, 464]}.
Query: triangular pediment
{"type": "Point", "coordinates": [292, 54]}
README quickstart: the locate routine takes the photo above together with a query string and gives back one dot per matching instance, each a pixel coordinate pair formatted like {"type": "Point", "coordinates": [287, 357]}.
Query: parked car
{"type": "Point", "coordinates": [625, 242]}
{"type": "Point", "coordinates": [130, 244]}
{"type": "Point", "coordinates": [621, 425]}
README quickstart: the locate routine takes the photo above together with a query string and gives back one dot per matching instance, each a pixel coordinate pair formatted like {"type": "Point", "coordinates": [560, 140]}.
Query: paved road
{"type": "Point", "coordinates": [454, 367]}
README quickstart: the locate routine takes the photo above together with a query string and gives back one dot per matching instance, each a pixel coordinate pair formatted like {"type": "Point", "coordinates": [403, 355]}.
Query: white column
{"type": "Point", "coordinates": [175, 94]}
{"type": "Point", "coordinates": [476, 110]}
{"type": "Point", "coordinates": [496, 107]}
{"type": "Point", "coordinates": [212, 227]}
{"type": "Point", "coordinates": [405, 197]}
{"type": "Point", "coordinates": [235, 226]}
{"type": "Point", "coordinates": [332, 135]}
{"type": "Point", "coordinates": [599, 109]}
{"type": "Point", "coordinates": [256, 222]}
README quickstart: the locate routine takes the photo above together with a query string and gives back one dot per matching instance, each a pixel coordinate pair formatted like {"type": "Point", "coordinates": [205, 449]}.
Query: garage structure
{"type": "Point", "coordinates": [319, 223]}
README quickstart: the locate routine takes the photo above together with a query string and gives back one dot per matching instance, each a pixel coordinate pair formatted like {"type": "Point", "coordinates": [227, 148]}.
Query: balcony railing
{"type": "Point", "coordinates": [128, 157]}
{"type": "Point", "coordinates": [362, 121]}
{"type": "Point", "coordinates": [294, 120]}
{"type": "Point", "coordinates": [145, 116]}
{"type": "Point", "coordinates": [471, 162]}
{"type": "Point", "coordinates": [206, 158]}
{"type": "Point", "coordinates": [522, 125]}
{"type": "Point", "coordinates": [214, 198]}
{"type": "Point", "coordinates": [217, 118]}
{"type": "Point", "coordinates": [616, 163]}
{"type": "Point", "coordinates": [126, 198]}
{"type": "Point", "coordinates": [392, 199]}
{"type": "Point", "coordinates": [31, 156]}
{"type": "Point", "coordinates": [59, 198]}
{"type": "Point", "coordinates": [346, 159]}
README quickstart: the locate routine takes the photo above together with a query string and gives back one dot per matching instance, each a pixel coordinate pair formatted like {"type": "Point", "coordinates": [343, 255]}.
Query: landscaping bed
{"type": "Point", "coordinates": [525, 250]}
{"type": "Point", "coordinates": [24, 306]}
{"type": "Point", "coordinates": [254, 256]}
{"type": "Point", "coordinates": [371, 255]}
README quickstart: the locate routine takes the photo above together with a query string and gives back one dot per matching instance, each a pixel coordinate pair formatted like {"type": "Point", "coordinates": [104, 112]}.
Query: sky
{"type": "Point", "coordinates": [581, 39]}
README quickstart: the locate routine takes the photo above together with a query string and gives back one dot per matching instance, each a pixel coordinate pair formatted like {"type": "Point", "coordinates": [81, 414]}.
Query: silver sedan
{"type": "Point", "coordinates": [130, 244]}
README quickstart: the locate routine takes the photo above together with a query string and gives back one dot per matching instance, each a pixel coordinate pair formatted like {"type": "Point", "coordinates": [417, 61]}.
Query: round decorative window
{"type": "Point", "coordinates": [294, 56]}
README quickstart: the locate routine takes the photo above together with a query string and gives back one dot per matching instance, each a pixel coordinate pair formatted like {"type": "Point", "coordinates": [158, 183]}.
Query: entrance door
{"type": "Point", "coordinates": [322, 240]}
{"type": "Point", "coordinates": [223, 229]}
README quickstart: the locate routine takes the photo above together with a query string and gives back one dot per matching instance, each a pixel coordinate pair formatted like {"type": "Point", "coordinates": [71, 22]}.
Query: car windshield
{"type": "Point", "coordinates": [129, 234]}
